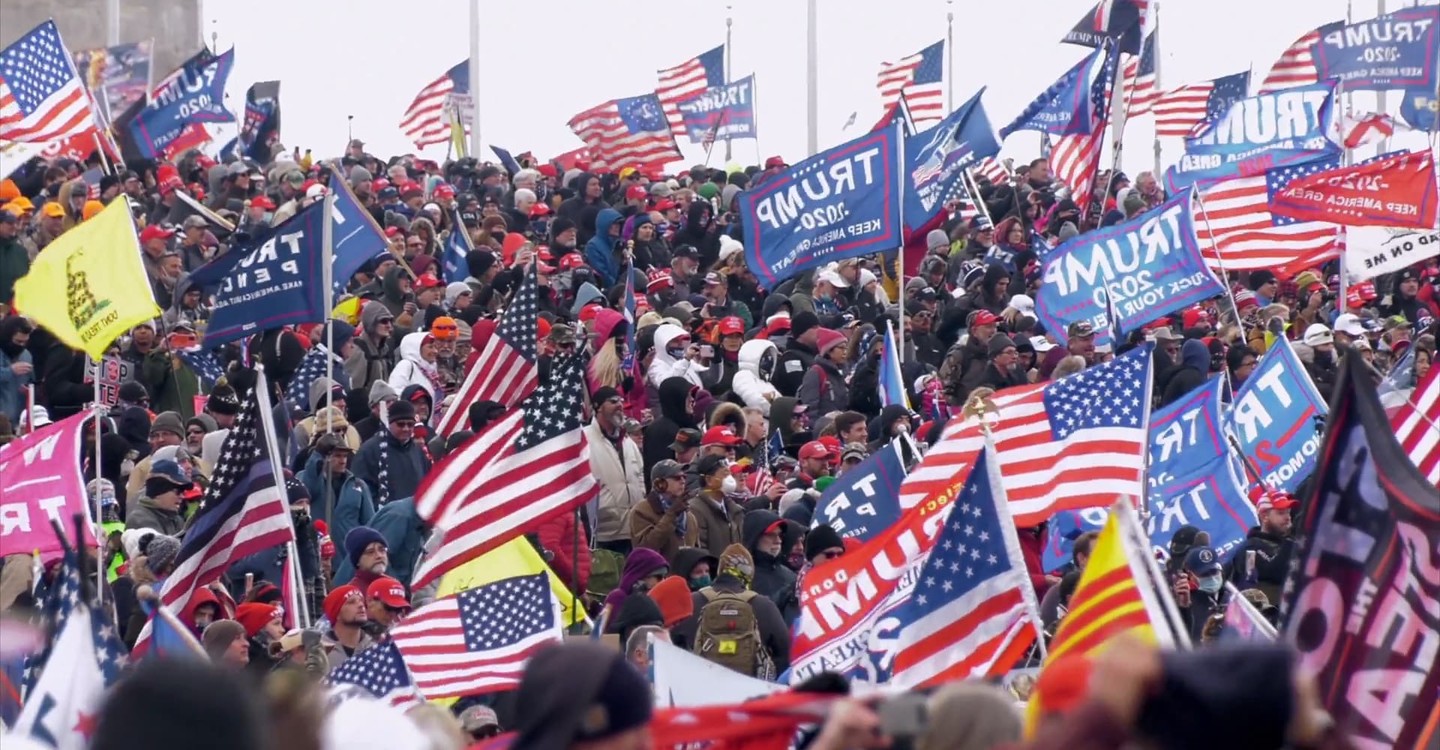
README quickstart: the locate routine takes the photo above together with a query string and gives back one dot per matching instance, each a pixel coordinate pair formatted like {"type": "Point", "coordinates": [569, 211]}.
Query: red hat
{"type": "Point", "coordinates": [721, 435]}
{"type": "Point", "coordinates": [256, 615]}
{"type": "Point", "coordinates": [775, 161]}
{"type": "Point", "coordinates": [337, 598]}
{"type": "Point", "coordinates": [827, 339]}
{"type": "Point", "coordinates": [443, 190]}
{"type": "Point", "coordinates": [672, 596]}
{"type": "Point", "coordinates": [427, 281]}
{"type": "Point", "coordinates": [1270, 499]}
{"type": "Point", "coordinates": [376, 185]}
{"type": "Point", "coordinates": [168, 178]}
{"type": "Point", "coordinates": [814, 450]}
{"type": "Point", "coordinates": [411, 188]}
{"type": "Point", "coordinates": [570, 261]}
{"type": "Point", "coordinates": [659, 278]}
{"type": "Point", "coordinates": [389, 592]}
{"type": "Point", "coordinates": [538, 210]}
{"type": "Point", "coordinates": [547, 169]}
{"type": "Point", "coordinates": [156, 232]}
{"type": "Point", "coordinates": [542, 327]}
{"type": "Point", "coordinates": [512, 244]}
{"type": "Point", "coordinates": [1356, 295]}
{"type": "Point", "coordinates": [1193, 317]}
{"type": "Point", "coordinates": [984, 318]}
{"type": "Point", "coordinates": [588, 312]}
{"type": "Point", "coordinates": [636, 192]}
{"type": "Point", "coordinates": [261, 201]}
{"type": "Point", "coordinates": [732, 325]}
{"type": "Point", "coordinates": [665, 204]}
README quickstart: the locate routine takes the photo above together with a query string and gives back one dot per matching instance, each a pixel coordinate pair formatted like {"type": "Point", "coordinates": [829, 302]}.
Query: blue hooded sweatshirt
{"type": "Point", "coordinates": [600, 250]}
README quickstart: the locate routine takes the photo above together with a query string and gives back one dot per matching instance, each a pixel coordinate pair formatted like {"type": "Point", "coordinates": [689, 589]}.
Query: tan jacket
{"type": "Point", "coordinates": [654, 528]}
{"type": "Point", "coordinates": [717, 530]}
{"type": "Point", "coordinates": [622, 483]}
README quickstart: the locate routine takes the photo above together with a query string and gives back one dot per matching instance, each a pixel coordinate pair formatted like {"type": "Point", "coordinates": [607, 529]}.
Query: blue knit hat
{"type": "Point", "coordinates": [358, 539]}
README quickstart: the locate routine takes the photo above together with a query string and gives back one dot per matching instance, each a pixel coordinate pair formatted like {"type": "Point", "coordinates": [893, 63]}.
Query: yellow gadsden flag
{"type": "Point", "coordinates": [514, 558]}
{"type": "Point", "coordinates": [88, 287]}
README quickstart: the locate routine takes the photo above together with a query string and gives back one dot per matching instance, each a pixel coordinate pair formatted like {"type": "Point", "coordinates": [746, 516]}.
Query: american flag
{"type": "Point", "coordinates": [1122, 21]}
{"type": "Point", "coordinates": [1060, 445]}
{"type": "Point", "coordinates": [1417, 426]}
{"type": "Point", "coordinates": [1296, 66]}
{"type": "Point", "coordinates": [1141, 84]}
{"type": "Point", "coordinates": [205, 365]}
{"type": "Point", "coordinates": [424, 122]}
{"type": "Point", "coordinates": [970, 594]}
{"type": "Point", "coordinates": [688, 79]}
{"type": "Point", "coordinates": [60, 599]}
{"type": "Point", "coordinates": [64, 705]}
{"type": "Point", "coordinates": [523, 470]}
{"type": "Point", "coordinates": [1179, 112]}
{"type": "Point", "coordinates": [243, 512]}
{"type": "Point", "coordinates": [312, 368]}
{"type": "Point", "coordinates": [505, 370]}
{"type": "Point", "coordinates": [626, 132]}
{"type": "Point", "coordinates": [479, 640]}
{"type": "Point", "coordinates": [921, 79]}
{"type": "Point", "coordinates": [41, 97]}
{"type": "Point", "coordinates": [1246, 236]}
{"type": "Point", "coordinates": [991, 170]}
{"type": "Point", "coordinates": [379, 671]}
{"type": "Point", "coordinates": [1075, 158]}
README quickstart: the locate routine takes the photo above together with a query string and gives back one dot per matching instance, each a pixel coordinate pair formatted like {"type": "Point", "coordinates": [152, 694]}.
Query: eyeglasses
{"type": "Point", "coordinates": [403, 424]}
{"type": "Point", "coordinates": [831, 554]}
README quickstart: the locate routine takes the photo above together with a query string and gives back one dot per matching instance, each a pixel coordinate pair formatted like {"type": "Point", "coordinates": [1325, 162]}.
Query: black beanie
{"type": "Point", "coordinates": [171, 702]}
{"type": "Point", "coordinates": [561, 224]}
{"type": "Point", "coordinates": [821, 538]}
{"type": "Point", "coordinates": [801, 322]}
{"type": "Point", "coordinates": [477, 262]}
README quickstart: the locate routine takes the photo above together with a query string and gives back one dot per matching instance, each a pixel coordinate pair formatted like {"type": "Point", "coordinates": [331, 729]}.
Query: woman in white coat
{"type": "Point", "coordinates": [752, 383]}
{"type": "Point", "coordinates": [417, 367]}
{"type": "Point", "coordinates": [671, 343]}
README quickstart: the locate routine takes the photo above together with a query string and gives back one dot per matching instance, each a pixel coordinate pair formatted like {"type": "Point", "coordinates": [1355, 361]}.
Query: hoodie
{"type": "Point", "coordinates": [664, 366]}
{"type": "Point", "coordinates": [641, 563]}
{"type": "Point", "coordinates": [772, 577]}
{"type": "Point", "coordinates": [600, 250]}
{"type": "Point", "coordinates": [752, 385]}
{"type": "Point", "coordinates": [1190, 374]}
{"type": "Point", "coordinates": [413, 370]}
{"type": "Point", "coordinates": [672, 417]}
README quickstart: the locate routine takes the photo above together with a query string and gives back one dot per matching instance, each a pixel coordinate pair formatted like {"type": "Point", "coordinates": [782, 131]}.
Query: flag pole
{"type": "Point", "coordinates": [474, 65]}
{"type": "Point", "coordinates": [900, 174]}
{"type": "Point", "coordinates": [327, 272]}
{"type": "Point", "coordinates": [272, 446]}
{"type": "Point", "coordinates": [729, 21]}
{"type": "Point", "coordinates": [98, 521]}
{"type": "Point", "coordinates": [812, 75]}
{"type": "Point", "coordinates": [1143, 566]}
{"type": "Point", "coordinates": [949, 56]}
{"type": "Point", "coordinates": [1155, 17]}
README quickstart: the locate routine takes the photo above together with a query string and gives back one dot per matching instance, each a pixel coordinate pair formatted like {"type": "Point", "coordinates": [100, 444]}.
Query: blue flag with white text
{"type": "Point", "coordinates": [457, 247]}
{"type": "Point", "coordinates": [1275, 417]}
{"type": "Point", "coordinates": [936, 160]}
{"type": "Point", "coordinates": [721, 112]}
{"type": "Point", "coordinates": [865, 499]}
{"type": "Point", "coordinates": [1393, 51]}
{"type": "Point", "coordinates": [197, 94]}
{"type": "Point", "coordinates": [1067, 106]}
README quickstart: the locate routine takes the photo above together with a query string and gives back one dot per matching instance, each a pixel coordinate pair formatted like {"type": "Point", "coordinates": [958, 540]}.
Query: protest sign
{"type": "Point", "coordinates": [936, 160]}
{"type": "Point", "coordinates": [40, 480]}
{"type": "Point", "coordinates": [114, 372]}
{"type": "Point", "coordinates": [1259, 133]}
{"type": "Point", "coordinates": [1374, 251]}
{"type": "Point", "coordinates": [1275, 418]}
{"type": "Point", "coordinates": [681, 678]}
{"type": "Point", "coordinates": [721, 112]}
{"type": "Point", "coordinates": [1395, 190]}
{"type": "Point", "coordinates": [1127, 274]}
{"type": "Point", "coordinates": [864, 500]}
{"type": "Point", "coordinates": [1396, 50]}
{"type": "Point", "coordinates": [841, 203]}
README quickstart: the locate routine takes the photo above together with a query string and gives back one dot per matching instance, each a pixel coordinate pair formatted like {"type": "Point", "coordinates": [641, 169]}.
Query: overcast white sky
{"type": "Point", "coordinates": [543, 62]}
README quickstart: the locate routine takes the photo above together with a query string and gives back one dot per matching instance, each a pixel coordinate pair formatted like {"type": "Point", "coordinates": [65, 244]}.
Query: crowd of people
{"type": "Point", "coordinates": [700, 532]}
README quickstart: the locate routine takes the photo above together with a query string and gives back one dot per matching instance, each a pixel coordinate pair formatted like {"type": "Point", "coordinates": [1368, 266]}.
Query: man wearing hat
{"type": "Point", "coordinates": [618, 467]}
{"type": "Point", "coordinates": [393, 462]}
{"type": "Point", "coordinates": [264, 623]}
{"type": "Point", "coordinates": [385, 604]}
{"type": "Point", "coordinates": [800, 353]}
{"type": "Point", "coordinates": [159, 508]}
{"type": "Point", "coordinates": [337, 497]}
{"type": "Point", "coordinates": [1079, 341]}
{"type": "Point", "coordinates": [686, 445]}
{"type": "Point", "coordinates": [14, 258]}
{"type": "Point", "coordinates": [367, 557]}
{"type": "Point", "coordinates": [479, 722]}
{"type": "Point", "coordinates": [1263, 560]}
{"type": "Point", "coordinates": [1199, 590]}
{"type": "Point", "coordinates": [664, 522]}
{"type": "Point", "coordinates": [346, 611]}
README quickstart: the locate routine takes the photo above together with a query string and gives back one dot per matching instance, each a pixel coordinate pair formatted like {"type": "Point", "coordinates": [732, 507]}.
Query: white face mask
{"type": "Point", "coordinates": [729, 485]}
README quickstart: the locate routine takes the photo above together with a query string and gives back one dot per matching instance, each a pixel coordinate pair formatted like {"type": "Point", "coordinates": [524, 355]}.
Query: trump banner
{"type": "Point", "coordinates": [1393, 51]}
{"type": "Point", "coordinates": [838, 204]}
{"type": "Point", "coordinates": [936, 160]}
{"type": "Point", "coordinates": [1374, 251]}
{"type": "Point", "coordinates": [1259, 133]}
{"type": "Point", "coordinates": [1128, 274]}
{"type": "Point", "coordinates": [1187, 433]}
{"type": "Point", "coordinates": [195, 94]}
{"type": "Point", "coordinates": [1394, 190]}
{"type": "Point", "coordinates": [865, 499]}
{"type": "Point", "coordinates": [1362, 605]}
{"type": "Point", "coordinates": [40, 481]}
{"type": "Point", "coordinates": [1276, 418]}
{"type": "Point", "coordinates": [355, 238]}
{"type": "Point", "coordinates": [721, 112]}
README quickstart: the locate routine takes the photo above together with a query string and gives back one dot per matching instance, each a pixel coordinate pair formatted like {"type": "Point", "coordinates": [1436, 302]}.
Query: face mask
{"type": "Point", "coordinates": [729, 485]}
{"type": "Point", "coordinates": [699, 582]}
{"type": "Point", "coordinates": [1211, 584]}
{"type": "Point", "coordinates": [268, 217]}
{"type": "Point", "coordinates": [675, 352]}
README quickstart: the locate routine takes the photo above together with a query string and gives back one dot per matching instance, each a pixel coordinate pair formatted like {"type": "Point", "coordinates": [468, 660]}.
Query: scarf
{"type": "Point", "coordinates": [665, 503]}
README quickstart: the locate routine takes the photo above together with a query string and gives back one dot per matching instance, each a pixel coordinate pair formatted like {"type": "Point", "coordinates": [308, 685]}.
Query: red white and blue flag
{"type": "Point", "coordinates": [1237, 229]}
{"type": "Point", "coordinates": [1296, 65]}
{"type": "Point", "coordinates": [378, 671]}
{"type": "Point", "coordinates": [424, 121]}
{"type": "Point", "coordinates": [504, 370]}
{"type": "Point", "coordinates": [1141, 78]}
{"type": "Point", "coordinates": [1180, 112]}
{"type": "Point", "coordinates": [628, 132]}
{"type": "Point", "coordinates": [41, 96]}
{"type": "Point", "coordinates": [920, 79]}
{"type": "Point", "coordinates": [690, 78]}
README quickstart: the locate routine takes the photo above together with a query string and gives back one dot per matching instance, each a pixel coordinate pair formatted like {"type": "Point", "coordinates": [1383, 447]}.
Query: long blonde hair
{"type": "Point", "coordinates": [605, 365]}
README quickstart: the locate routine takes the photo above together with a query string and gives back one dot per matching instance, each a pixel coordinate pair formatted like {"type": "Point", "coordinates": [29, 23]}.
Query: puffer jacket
{"type": "Point", "coordinates": [621, 483]}
{"type": "Point", "coordinates": [752, 382]}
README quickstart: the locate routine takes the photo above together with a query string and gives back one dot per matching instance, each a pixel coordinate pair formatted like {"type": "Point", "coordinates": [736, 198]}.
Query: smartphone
{"type": "Point", "coordinates": [707, 351]}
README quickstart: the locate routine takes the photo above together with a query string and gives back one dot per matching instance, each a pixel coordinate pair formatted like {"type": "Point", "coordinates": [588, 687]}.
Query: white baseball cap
{"type": "Point", "coordinates": [1349, 323]}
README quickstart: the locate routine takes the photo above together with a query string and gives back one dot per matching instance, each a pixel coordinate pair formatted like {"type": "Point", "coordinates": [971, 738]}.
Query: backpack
{"type": "Point", "coordinates": [728, 634]}
{"type": "Point", "coordinates": [605, 568]}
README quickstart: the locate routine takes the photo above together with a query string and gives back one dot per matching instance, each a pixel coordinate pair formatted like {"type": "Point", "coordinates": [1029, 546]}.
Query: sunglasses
{"type": "Point", "coordinates": [831, 554]}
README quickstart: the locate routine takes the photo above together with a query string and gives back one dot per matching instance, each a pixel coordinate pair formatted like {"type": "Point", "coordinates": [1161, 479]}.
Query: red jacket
{"type": "Point", "coordinates": [1032, 546]}
{"type": "Point", "coordinates": [562, 538]}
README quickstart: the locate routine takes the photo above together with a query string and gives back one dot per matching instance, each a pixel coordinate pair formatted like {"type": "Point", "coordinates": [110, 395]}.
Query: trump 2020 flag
{"type": "Point", "coordinates": [865, 499]}
{"type": "Point", "coordinates": [199, 96]}
{"type": "Point", "coordinates": [1140, 270]}
{"type": "Point", "coordinates": [936, 160]}
{"type": "Point", "coordinates": [892, 381]}
{"type": "Point", "coordinates": [1276, 418]}
{"type": "Point", "coordinates": [457, 248]}
{"type": "Point", "coordinates": [1066, 107]}
{"type": "Point", "coordinates": [721, 112]}
{"type": "Point", "coordinates": [1393, 51]}
{"type": "Point", "coordinates": [837, 204]}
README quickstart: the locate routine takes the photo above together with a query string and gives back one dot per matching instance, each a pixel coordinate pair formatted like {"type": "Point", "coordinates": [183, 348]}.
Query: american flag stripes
{"type": "Point", "coordinates": [478, 640]}
{"type": "Point", "coordinates": [921, 79]}
{"type": "Point", "coordinates": [41, 97]}
{"type": "Point", "coordinates": [1075, 158]}
{"type": "Point", "coordinates": [505, 370]}
{"type": "Point", "coordinates": [991, 170]}
{"type": "Point", "coordinates": [1059, 445]}
{"type": "Point", "coordinates": [1246, 236]}
{"type": "Point", "coordinates": [688, 79]}
{"type": "Point", "coordinates": [424, 122]}
{"type": "Point", "coordinates": [527, 468]}
{"type": "Point", "coordinates": [1417, 426]}
{"type": "Point", "coordinates": [379, 671]}
{"type": "Point", "coordinates": [1141, 78]}
{"type": "Point", "coordinates": [969, 614]}
{"type": "Point", "coordinates": [1179, 112]}
{"type": "Point", "coordinates": [1296, 66]}
{"type": "Point", "coordinates": [242, 513]}
{"type": "Point", "coordinates": [626, 132]}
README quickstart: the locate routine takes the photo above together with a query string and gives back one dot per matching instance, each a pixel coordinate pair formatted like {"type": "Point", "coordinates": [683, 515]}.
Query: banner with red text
{"type": "Point", "coordinates": [1395, 190]}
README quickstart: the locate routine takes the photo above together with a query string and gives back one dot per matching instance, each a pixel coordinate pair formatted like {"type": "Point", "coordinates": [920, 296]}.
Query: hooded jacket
{"type": "Point", "coordinates": [794, 363]}
{"type": "Point", "coordinates": [772, 577]}
{"type": "Point", "coordinates": [413, 370]}
{"type": "Point", "coordinates": [600, 250]}
{"type": "Point", "coordinates": [672, 417]}
{"type": "Point", "coordinates": [640, 564]}
{"type": "Point", "coordinates": [177, 310]}
{"type": "Point", "coordinates": [370, 361]}
{"type": "Point", "coordinates": [664, 366]}
{"type": "Point", "coordinates": [343, 502]}
{"type": "Point", "coordinates": [750, 385]}
{"type": "Point", "coordinates": [823, 389]}
{"type": "Point", "coordinates": [619, 470]}
{"type": "Point", "coordinates": [1191, 372]}
{"type": "Point", "coordinates": [12, 403]}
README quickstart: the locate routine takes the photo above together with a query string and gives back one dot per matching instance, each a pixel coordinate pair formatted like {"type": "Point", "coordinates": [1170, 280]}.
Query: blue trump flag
{"type": "Point", "coordinates": [865, 499]}
{"type": "Point", "coordinates": [356, 237]}
{"type": "Point", "coordinates": [936, 160]}
{"type": "Point", "coordinates": [273, 280]}
{"type": "Point", "coordinates": [261, 126]}
{"type": "Point", "coordinates": [838, 204]}
{"type": "Point", "coordinates": [1067, 106]}
{"type": "Point", "coordinates": [1140, 270]}
{"type": "Point", "coordinates": [1187, 433]}
{"type": "Point", "coordinates": [727, 111]}
{"type": "Point", "coordinates": [1275, 418]}
{"type": "Point", "coordinates": [1259, 133]}
{"type": "Point", "coordinates": [196, 94]}
{"type": "Point", "coordinates": [457, 247]}
{"type": "Point", "coordinates": [507, 160]}
{"type": "Point", "coordinates": [892, 380]}
{"type": "Point", "coordinates": [1418, 107]}
{"type": "Point", "coordinates": [1393, 51]}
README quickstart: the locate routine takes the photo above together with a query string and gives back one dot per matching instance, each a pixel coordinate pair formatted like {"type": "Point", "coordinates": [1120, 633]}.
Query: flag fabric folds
{"type": "Point", "coordinates": [1141, 78]}
{"type": "Point", "coordinates": [478, 640]}
{"type": "Point", "coordinates": [892, 381]}
{"type": "Point", "coordinates": [1296, 65]}
{"type": "Point", "coordinates": [1396, 190]}
{"type": "Point", "coordinates": [512, 559]}
{"type": "Point", "coordinates": [89, 286]}
{"type": "Point", "coordinates": [504, 371]}
{"type": "Point", "coordinates": [1237, 229]}
{"type": "Point", "coordinates": [521, 471]}
{"type": "Point", "coordinates": [379, 672]}
{"type": "Point", "coordinates": [1417, 426]}
{"type": "Point", "coordinates": [1179, 112]}
{"type": "Point", "coordinates": [626, 132]}
{"type": "Point", "coordinates": [41, 96]}
{"type": "Point", "coordinates": [920, 79]}
{"type": "Point", "coordinates": [690, 78]}
{"type": "Point", "coordinates": [424, 121]}
{"type": "Point", "coordinates": [1119, 21]}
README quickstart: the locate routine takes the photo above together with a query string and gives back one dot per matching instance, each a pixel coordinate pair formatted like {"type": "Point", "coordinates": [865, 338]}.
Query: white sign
{"type": "Point", "coordinates": [1374, 251]}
